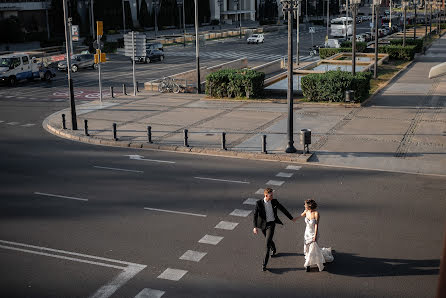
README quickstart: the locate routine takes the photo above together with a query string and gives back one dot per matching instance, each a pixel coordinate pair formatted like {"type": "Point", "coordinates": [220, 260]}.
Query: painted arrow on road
{"type": "Point", "coordinates": [140, 157]}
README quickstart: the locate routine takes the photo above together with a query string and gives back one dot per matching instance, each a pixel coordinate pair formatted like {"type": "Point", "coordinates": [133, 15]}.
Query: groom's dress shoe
{"type": "Point", "coordinates": [263, 268]}
{"type": "Point", "coordinates": [308, 269]}
{"type": "Point", "coordinates": [273, 254]}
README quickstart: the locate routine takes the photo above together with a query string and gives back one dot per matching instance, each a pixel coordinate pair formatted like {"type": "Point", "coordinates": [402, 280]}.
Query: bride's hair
{"type": "Point", "coordinates": [311, 204]}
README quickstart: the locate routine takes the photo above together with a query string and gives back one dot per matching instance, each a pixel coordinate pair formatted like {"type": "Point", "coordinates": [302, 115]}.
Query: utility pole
{"type": "Point", "coordinates": [430, 22]}
{"type": "Point", "coordinates": [346, 19]}
{"type": "Point", "coordinates": [404, 28]}
{"type": "Point", "coordinates": [92, 18]}
{"type": "Point", "coordinates": [184, 27]}
{"type": "Point", "coordinates": [328, 19]}
{"type": "Point", "coordinates": [425, 21]}
{"type": "Point", "coordinates": [415, 23]}
{"type": "Point", "coordinates": [354, 12]}
{"type": "Point", "coordinates": [288, 6]}
{"type": "Point", "coordinates": [297, 4]}
{"type": "Point", "coordinates": [155, 3]}
{"type": "Point", "coordinates": [123, 15]}
{"type": "Point", "coordinates": [376, 8]}
{"type": "Point", "coordinates": [70, 28]}
{"type": "Point", "coordinates": [70, 82]}
{"type": "Point", "coordinates": [197, 48]}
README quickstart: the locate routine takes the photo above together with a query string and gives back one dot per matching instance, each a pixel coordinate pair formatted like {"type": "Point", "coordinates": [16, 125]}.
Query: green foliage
{"type": "Point", "coordinates": [328, 52]}
{"type": "Point", "coordinates": [235, 83]}
{"type": "Point", "coordinates": [11, 30]}
{"type": "Point", "coordinates": [418, 43]}
{"type": "Point", "coordinates": [110, 47]}
{"type": "Point", "coordinates": [399, 52]}
{"type": "Point", "coordinates": [360, 45]}
{"type": "Point", "coordinates": [331, 86]}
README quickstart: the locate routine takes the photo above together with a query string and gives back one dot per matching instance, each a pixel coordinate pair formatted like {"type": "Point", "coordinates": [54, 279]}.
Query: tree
{"type": "Point", "coordinates": [12, 30]}
{"type": "Point", "coordinates": [145, 18]}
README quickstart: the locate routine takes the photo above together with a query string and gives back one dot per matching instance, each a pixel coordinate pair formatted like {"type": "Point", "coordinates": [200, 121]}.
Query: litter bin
{"type": "Point", "coordinates": [305, 139]}
{"type": "Point", "coordinates": [349, 95]}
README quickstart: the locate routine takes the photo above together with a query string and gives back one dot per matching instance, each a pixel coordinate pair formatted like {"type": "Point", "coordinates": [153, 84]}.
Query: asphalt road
{"type": "Point", "coordinates": [78, 220]}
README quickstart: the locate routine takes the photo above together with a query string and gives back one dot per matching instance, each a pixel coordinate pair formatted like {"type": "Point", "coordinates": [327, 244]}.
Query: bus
{"type": "Point", "coordinates": [339, 25]}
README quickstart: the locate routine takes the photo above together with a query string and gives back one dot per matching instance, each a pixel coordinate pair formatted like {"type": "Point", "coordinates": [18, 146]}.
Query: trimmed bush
{"type": "Point", "coordinates": [399, 52]}
{"type": "Point", "coordinates": [235, 83]}
{"type": "Point", "coordinates": [328, 52]}
{"type": "Point", "coordinates": [360, 46]}
{"type": "Point", "coordinates": [418, 43]}
{"type": "Point", "coordinates": [331, 86]}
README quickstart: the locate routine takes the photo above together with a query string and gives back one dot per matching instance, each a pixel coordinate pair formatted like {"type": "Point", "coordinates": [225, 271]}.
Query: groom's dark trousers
{"type": "Point", "coordinates": [268, 227]}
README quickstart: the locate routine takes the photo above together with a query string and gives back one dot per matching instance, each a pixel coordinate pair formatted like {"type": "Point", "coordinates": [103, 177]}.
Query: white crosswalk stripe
{"type": "Point", "coordinates": [150, 293]}
{"type": "Point", "coordinates": [233, 55]}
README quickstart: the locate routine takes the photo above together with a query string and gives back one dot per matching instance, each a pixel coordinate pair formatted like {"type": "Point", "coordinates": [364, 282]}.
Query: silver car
{"type": "Point", "coordinates": [79, 61]}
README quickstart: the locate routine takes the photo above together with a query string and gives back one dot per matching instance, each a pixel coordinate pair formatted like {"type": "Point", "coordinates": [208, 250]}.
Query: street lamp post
{"type": "Point", "coordinates": [376, 4]}
{"type": "Point", "coordinates": [181, 3]}
{"type": "Point", "coordinates": [297, 4]}
{"type": "Point", "coordinates": [425, 21]}
{"type": "Point", "coordinates": [70, 81]}
{"type": "Point", "coordinates": [415, 22]}
{"type": "Point", "coordinates": [197, 48]}
{"type": "Point", "coordinates": [288, 6]}
{"type": "Point", "coordinates": [123, 17]}
{"type": "Point", "coordinates": [237, 3]}
{"type": "Point", "coordinates": [328, 18]}
{"type": "Point", "coordinates": [346, 19]}
{"type": "Point", "coordinates": [155, 4]}
{"type": "Point", "coordinates": [430, 23]}
{"type": "Point", "coordinates": [354, 6]}
{"type": "Point", "coordinates": [404, 25]}
{"type": "Point", "coordinates": [220, 4]}
{"type": "Point", "coordinates": [92, 18]}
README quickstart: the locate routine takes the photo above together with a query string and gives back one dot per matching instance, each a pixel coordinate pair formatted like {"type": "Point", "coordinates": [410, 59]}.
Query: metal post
{"type": "Point", "coordinates": [114, 132]}
{"type": "Point", "coordinates": [70, 25]}
{"type": "Point", "coordinates": [415, 23]}
{"type": "Point", "coordinates": [86, 127]}
{"type": "Point", "coordinates": [124, 89]}
{"type": "Point", "coordinates": [47, 24]}
{"type": "Point", "coordinates": [111, 92]}
{"type": "Point", "coordinates": [290, 148]}
{"type": "Point", "coordinates": [186, 144]}
{"type": "Point", "coordinates": [373, 20]}
{"type": "Point", "coordinates": [425, 23]}
{"type": "Point", "coordinates": [92, 18]}
{"type": "Point", "coordinates": [264, 144]}
{"type": "Point", "coordinates": [149, 134]}
{"type": "Point", "coordinates": [240, 16]}
{"type": "Point", "coordinates": [328, 18]}
{"type": "Point", "coordinates": [64, 122]}
{"type": "Point", "coordinates": [197, 48]}
{"type": "Point", "coordinates": [137, 86]}
{"type": "Point", "coordinates": [156, 17]}
{"type": "Point", "coordinates": [99, 69]}
{"type": "Point", "coordinates": [404, 26]}
{"type": "Point", "coordinates": [354, 10]}
{"type": "Point", "coordinates": [134, 78]}
{"type": "Point", "coordinates": [184, 26]}
{"type": "Point", "coordinates": [70, 81]}
{"type": "Point", "coordinates": [297, 31]}
{"type": "Point", "coordinates": [375, 68]}
{"type": "Point", "coordinates": [390, 21]}
{"type": "Point", "coordinates": [123, 14]}
{"type": "Point", "coordinates": [430, 23]}
{"type": "Point", "coordinates": [346, 19]}
{"type": "Point", "coordinates": [223, 141]}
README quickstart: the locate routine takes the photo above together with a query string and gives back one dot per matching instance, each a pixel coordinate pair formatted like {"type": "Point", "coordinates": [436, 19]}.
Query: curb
{"type": "Point", "coordinates": [300, 158]}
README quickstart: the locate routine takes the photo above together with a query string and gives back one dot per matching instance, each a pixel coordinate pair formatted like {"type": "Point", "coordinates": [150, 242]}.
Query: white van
{"type": "Point", "coordinates": [17, 67]}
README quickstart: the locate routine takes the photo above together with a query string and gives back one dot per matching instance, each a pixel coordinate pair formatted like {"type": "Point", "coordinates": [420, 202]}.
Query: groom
{"type": "Point", "coordinates": [265, 218]}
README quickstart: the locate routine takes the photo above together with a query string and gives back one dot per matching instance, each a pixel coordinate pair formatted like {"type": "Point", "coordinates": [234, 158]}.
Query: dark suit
{"type": "Point", "coordinates": [259, 221]}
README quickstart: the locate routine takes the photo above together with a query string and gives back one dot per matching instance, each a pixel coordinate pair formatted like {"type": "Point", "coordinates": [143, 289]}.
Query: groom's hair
{"type": "Point", "coordinates": [267, 190]}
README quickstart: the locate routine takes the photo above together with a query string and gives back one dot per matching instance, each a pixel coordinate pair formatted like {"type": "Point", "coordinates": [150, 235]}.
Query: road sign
{"type": "Point", "coordinates": [140, 49]}
{"type": "Point", "coordinates": [75, 32]}
{"type": "Point", "coordinates": [312, 30]}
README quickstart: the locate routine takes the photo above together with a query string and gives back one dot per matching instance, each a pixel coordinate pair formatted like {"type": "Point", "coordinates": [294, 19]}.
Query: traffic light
{"type": "Point", "coordinates": [99, 28]}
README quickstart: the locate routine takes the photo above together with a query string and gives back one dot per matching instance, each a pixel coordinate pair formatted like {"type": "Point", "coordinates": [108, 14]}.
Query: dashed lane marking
{"type": "Point", "coordinates": [210, 239]}
{"type": "Point", "coordinates": [259, 191]}
{"type": "Point", "coordinates": [284, 175]}
{"type": "Point", "coordinates": [296, 168]}
{"type": "Point", "coordinates": [226, 225]}
{"type": "Point", "coordinates": [28, 125]}
{"type": "Point", "coordinates": [150, 293]}
{"type": "Point", "coordinates": [194, 256]}
{"type": "Point", "coordinates": [177, 212]}
{"type": "Point", "coordinates": [240, 213]}
{"type": "Point", "coordinates": [13, 123]}
{"type": "Point", "coordinates": [117, 169]}
{"type": "Point", "coordinates": [172, 274]}
{"type": "Point", "coordinates": [59, 196]}
{"type": "Point", "coordinates": [222, 180]}
{"type": "Point", "coordinates": [275, 182]}
{"type": "Point", "coordinates": [250, 201]}
{"type": "Point", "coordinates": [1, 121]}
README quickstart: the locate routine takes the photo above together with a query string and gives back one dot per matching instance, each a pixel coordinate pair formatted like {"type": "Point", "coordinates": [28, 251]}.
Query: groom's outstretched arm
{"type": "Point", "coordinates": [284, 211]}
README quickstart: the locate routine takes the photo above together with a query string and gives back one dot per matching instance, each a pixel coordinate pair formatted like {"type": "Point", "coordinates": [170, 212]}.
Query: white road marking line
{"type": "Point", "coordinates": [172, 274]}
{"type": "Point", "coordinates": [28, 125]}
{"type": "Point", "coordinates": [226, 225]}
{"type": "Point", "coordinates": [210, 239]}
{"type": "Point", "coordinates": [275, 182]}
{"type": "Point", "coordinates": [222, 180]}
{"type": "Point", "coordinates": [139, 157]}
{"type": "Point", "coordinates": [150, 293]}
{"type": "Point", "coordinates": [105, 291]}
{"type": "Point", "coordinates": [194, 256]}
{"type": "Point", "coordinates": [250, 201]}
{"type": "Point", "coordinates": [296, 168]}
{"type": "Point", "coordinates": [116, 169]}
{"type": "Point", "coordinates": [13, 123]}
{"type": "Point", "coordinates": [240, 213]}
{"type": "Point", "coordinates": [177, 212]}
{"type": "Point", "coordinates": [1, 121]}
{"type": "Point", "coordinates": [260, 191]}
{"type": "Point", "coordinates": [284, 175]}
{"type": "Point", "coordinates": [59, 196]}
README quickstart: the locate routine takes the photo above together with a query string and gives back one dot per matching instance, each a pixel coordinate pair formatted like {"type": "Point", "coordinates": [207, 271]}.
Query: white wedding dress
{"type": "Point", "coordinates": [314, 255]}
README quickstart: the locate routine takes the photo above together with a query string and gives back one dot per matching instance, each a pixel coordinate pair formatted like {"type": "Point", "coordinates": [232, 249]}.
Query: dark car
{"type": "Point", "coordinates": [154, 46]}
{"type": "Point", "coordinates": [78, 61]}
{"type": "Point", "coordinates": [155, 55]}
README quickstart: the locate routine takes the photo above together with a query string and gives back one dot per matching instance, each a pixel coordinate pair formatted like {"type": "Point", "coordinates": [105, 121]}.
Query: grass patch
{"type": "Point", "coordinates": [385, 73]}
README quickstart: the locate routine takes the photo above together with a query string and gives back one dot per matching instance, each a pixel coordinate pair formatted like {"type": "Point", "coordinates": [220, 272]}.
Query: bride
{"type": "Point", "coordinates": [314, 255]}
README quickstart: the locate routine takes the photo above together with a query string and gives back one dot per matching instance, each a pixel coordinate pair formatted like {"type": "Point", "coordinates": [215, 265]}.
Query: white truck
{"type": "Point", "coordinates": [18, 67]}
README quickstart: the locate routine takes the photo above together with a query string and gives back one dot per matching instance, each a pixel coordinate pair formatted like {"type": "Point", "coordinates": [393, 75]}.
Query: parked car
{"type": "Point", "coordinates": [155, 55]}
{"type": "Point", "coordinates": [332, 43]}
{"type": "Point", "coordinates": [154, 46]}
{"type": "Point", "coordinates": [367, 36]}
{"type": "Point", "coordinates": [256, 38]}
{"type": "Point", "coordinates": [78, 62]}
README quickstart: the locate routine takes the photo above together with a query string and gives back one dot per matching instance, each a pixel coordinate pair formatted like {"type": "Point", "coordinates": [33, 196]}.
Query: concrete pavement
{"type": "Point", "coordinates": [402, 129]}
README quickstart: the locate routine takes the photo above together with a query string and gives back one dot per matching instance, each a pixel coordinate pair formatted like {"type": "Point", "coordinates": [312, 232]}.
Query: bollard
{"type": "Point", "coordinates": [149, 134]}
{"type": "Point", "coordinates": [114, 132]}
{"type": "Point", "coordinates": [137, 87]}
{"type": "Point", "coordinates": [64, 123]}
{"type": "Point", "coordinates": [86, 127]}
{"type": "Point", "coordinates": [305, 139]}
{"type": "Point", "coordinates": [185, 138]}
{"type": "Point", "coordinates": [223, 141]}
{"type": "Point", "coordinates": [264, 144]}
{"type": "Point", "coordinates": [124, 89]}
{"type": "Point", "coordinates": [111, 92]}
{"type": "Point", "coordinates": [349, 96]}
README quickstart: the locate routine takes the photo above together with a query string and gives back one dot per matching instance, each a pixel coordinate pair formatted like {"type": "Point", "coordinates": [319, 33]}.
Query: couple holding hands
{"type": "Point", "coordinates": [265, 219]}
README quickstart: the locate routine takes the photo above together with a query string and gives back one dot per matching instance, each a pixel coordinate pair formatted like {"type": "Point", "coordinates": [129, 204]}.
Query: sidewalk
{"type": "Point", "coordinates": [403, 128]}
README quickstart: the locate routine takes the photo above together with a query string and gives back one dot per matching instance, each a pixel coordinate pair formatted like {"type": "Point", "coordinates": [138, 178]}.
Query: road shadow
{"type": "Point", "coordinates": [353, 265]}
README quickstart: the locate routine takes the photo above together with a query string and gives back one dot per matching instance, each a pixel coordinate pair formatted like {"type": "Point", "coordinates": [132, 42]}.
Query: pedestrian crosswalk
{"type": "Point", "coordinates": [15, 123]}
{"type": "Point", "coordinates": [237, 55]}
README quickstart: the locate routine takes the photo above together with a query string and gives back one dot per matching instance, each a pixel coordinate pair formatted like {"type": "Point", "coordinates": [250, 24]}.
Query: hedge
{"type": "Point", "coordinates": [331, 85]}
{"type": "Point", "coordinates": [235, 83]}
{"type": "Point", "coordinates": [399, 52]}
{"type": "Point", "coordinates": [418, 43]}
{"type": "Point", "coordinates": [360, 46]}
{"type": "Point", "coordinates": [328, 52]}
